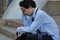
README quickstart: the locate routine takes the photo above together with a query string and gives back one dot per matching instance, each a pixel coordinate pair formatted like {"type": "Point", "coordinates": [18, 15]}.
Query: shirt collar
{"type": "Point", "coordinates": [34, 13]}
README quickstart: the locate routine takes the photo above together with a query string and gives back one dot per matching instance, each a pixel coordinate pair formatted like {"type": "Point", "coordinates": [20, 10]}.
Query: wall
{"type": "Point", "coordinates": [52, 8]}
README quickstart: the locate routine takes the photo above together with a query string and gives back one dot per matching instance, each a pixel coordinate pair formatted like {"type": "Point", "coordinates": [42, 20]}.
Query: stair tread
{"type": "Point", "coordinates": [3, 37]}
{"type": "Point", "coordinates": [17, 21]}
{"type": "Point", "coordinates": [8, 28]}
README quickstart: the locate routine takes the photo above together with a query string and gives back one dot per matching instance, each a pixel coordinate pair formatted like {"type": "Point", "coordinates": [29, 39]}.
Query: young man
{"type": "Point", "coordinates": [42, 20]}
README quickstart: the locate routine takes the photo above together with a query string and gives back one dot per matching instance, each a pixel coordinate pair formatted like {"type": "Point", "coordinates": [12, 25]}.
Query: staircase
{"type": "Point", "coordinates": [4, 37]}
{"type": "Point", "coordinates": [8, 30]}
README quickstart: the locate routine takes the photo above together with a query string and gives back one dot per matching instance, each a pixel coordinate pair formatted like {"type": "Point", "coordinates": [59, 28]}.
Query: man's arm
{"type": "Point", "coordinates": [26, 22]}
{"type": "Point", "coordinates": [36, 24]}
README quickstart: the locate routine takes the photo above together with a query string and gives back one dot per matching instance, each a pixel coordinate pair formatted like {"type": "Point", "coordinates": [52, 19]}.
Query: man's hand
{"type": "Point", "coordinates": [17, 33]}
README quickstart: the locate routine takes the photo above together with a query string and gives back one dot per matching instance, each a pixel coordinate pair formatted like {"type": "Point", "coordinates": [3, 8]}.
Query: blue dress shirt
{"type": "Point", "coordinates": [42, 21]}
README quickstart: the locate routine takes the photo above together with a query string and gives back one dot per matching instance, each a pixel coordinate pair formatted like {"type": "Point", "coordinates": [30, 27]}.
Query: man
{"type": "Point", "coordinates": [42, 20]}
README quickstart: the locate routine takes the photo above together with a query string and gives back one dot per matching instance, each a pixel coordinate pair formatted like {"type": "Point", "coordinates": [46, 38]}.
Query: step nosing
{"type": "Point", "coordinates": [10, 29]}
{"type": "Point", "coordinates": [4, 37]}
{"type": "Point", "coordinates": [7, 33]}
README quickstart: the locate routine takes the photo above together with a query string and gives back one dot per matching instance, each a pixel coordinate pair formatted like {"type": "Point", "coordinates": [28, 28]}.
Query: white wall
{"type": "Point", "coordinates": [14, 12]}
{"type": "Point", "coordinates": [53, 0]}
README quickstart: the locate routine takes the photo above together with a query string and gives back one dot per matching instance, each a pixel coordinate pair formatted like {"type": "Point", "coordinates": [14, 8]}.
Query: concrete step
{"type": "Point", "coordinates": [8, 31]}
{"type": "Point", "coordinates": [8, 28]}
{"type": "Point", "coordinates": [13, 23]}
{"type": "Point", "coordinates": [4, 37]}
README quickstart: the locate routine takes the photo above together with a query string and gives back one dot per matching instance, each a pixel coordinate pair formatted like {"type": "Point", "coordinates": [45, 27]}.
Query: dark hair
{"type": "Point", "coordinates": [27, 3]}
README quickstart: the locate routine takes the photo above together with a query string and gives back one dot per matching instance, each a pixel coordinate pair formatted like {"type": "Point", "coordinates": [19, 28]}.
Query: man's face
{"type": "Point", "coordinates": [26, 11]}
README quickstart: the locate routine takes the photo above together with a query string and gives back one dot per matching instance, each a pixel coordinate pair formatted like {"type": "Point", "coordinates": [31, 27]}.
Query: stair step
{"type": "Point", "coordinates": [4, 37]}
{"type": "Point", "coordinates": [14, 23]}
{"type": "Point", "coordinates": [8, 28]}
{"type": "Point", "coordinates": [16, 20]}
{"type": "Point", "coordinates": [8, 31]}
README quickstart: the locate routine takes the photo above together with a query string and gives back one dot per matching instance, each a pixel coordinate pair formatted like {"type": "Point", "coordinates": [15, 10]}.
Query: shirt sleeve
{"type": "Point", "coordinates": [36, 24]}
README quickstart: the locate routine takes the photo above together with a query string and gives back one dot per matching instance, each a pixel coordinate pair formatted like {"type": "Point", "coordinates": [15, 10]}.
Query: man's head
{"type": "Point", "coordinates": [27, 7]}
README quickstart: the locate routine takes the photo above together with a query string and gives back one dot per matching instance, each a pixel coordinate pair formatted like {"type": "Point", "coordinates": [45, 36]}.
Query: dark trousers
{"type": "Point", "coordinates": [34, 37]}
